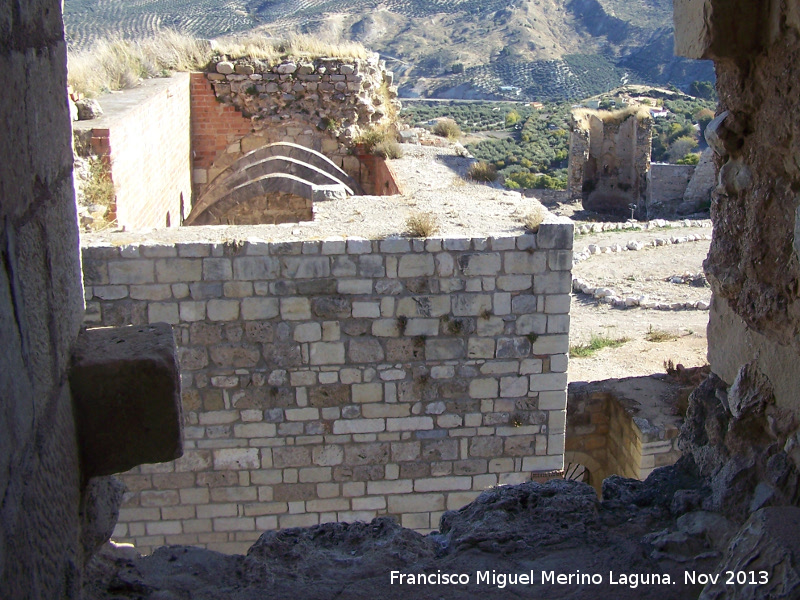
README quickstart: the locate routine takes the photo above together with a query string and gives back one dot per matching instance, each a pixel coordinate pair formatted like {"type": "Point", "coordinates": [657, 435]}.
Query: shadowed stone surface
{"type": "Point", "coordinates": [126, 390]}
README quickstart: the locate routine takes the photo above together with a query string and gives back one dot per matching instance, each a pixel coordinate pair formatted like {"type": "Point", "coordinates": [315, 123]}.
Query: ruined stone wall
{"type": "Point", "coordinates": [40, 310]}
{"type": "Point", "coordinates": [145, 135]}
{"type": "Point", "coordinates": [609, 159]}
{"type": "Point", "coordinates": [344, 379]}
{"type": "Point", "coordinates": [666, 186]}
{"type": "Point", "coordinates": [754, 262]}
{"type": "Point", "coordinates": [322, 103]}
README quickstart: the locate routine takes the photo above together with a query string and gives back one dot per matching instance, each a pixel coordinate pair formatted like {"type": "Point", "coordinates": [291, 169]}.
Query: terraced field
{"type": "Point", "coordinates": [575, 76]}
{"type": "Point", "coordinates": [88, 20]}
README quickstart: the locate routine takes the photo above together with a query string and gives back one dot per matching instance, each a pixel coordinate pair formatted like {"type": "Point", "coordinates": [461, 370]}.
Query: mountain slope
{"type": "Point", "coordinates": [534, 49]}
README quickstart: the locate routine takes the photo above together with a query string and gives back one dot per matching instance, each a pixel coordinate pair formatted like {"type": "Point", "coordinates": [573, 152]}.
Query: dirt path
{"type": "Point", "coordinates": [680, 335]}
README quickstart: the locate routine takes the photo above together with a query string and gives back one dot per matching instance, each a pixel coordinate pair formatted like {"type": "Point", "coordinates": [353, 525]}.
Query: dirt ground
{"type": "Point", "coordinates": [645, 272]}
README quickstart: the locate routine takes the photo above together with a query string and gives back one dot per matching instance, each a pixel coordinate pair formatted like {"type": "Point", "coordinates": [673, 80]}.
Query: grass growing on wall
{"type": "Point", "coordinates": [117, 64]}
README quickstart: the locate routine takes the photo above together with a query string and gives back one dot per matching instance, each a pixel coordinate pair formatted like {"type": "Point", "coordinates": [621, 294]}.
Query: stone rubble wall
{"type": "Point", "coordinates": [609, 161]}
{"type": "Point", "coordinates": [322, 103]}
{"type": "Point", "coordinates": [344, 379]}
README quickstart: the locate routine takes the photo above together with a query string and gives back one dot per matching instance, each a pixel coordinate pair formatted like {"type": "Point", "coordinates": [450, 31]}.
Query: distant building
{"type": "Point", "coordinates": [659, 112]}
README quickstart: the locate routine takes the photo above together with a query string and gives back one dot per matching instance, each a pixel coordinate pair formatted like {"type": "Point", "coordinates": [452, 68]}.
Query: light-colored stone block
{"type": "Point", "coordinates": [256, 309]}
{"type": "Point", "coordinates": [327, 353]}
{"type": "Point", "coordinates": [295, 309]}
{"type": "Point", "coordinates": [416, 265]}
{"type": "Point", "coordinates": [308, 332]}
{"type": "Point", "coordinates": [358, 426]}
{"type": "Point", "coordinates": [236, 459]}
{"type": "Point", "coordinates": [222, 310]}
{"type": "Point", "coordinates": [409, 424]}
{"type": "Point", "coordinates": [486, 387]}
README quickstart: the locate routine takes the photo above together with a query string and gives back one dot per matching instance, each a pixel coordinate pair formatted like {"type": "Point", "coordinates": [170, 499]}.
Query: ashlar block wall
{"type": "Point", "coordinates": [339, 380]}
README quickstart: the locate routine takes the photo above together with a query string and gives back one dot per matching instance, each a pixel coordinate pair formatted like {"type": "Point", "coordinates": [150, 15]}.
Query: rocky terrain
{"type": "Point", "coordinates": [671, 536]}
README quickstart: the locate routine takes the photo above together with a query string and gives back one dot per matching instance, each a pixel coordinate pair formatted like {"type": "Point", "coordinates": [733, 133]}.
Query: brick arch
{"type": "Point", "coordinates": [597, 472]}
{"type": "Point", "coordinates": [293, 151]}
{"type": "Point", "coordinates": [276, 164]}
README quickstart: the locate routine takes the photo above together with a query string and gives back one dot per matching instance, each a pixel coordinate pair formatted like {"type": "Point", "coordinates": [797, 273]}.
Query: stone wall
{"type": "Point", "coordinates": [145, 134]}
{"type": "Point", "coordinates": [344, 379]}
{"type": "Point", "coordinates": [40, 311]}
{"type": "Point", "coordinates": [624, 427]}
{"type": "Point", "coordinates": [753, 264]}
{"type": "Point", "coordinates": [609, 159]}
{"type": "Point", "coordinates": [666, 186]}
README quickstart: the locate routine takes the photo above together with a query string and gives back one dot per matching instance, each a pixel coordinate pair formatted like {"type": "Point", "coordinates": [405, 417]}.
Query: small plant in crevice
{"type": "Point", "coordinates": [251, 91]}
{"type": "Point", "coordinates": [532, 337]}
{"type": "Point", "coordinates": [402, 323]}
{"type": "Point", "coordinates": [328, 124]}
{"type": "Point", "coordinates": [233, 247]}
{"type": "Point", "coordinates": [486, 314]}
{"type": "Point", "coordinates": [422, 224]}
{"type": "Point", "coordinates": [455, 326]}
{"type": "Point", "coordinates": [419, 341]}
{"type": "Point", "coordinates": [517, 420]}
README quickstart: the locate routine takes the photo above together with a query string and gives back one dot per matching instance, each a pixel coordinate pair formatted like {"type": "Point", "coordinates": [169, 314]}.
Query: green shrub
{"type": "Point", "coordinates": [99, 189]}
{"type": "Point", "coordinates": [370, 139]}
{"type": "Point", "coordinates": [689, 159]}
{"type": "Point", "coordinates": [447, 128]}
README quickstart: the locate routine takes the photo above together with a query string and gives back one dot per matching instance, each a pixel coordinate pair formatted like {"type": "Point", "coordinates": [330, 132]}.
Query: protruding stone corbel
{"type": "Point", "coordinates": [126, 392]}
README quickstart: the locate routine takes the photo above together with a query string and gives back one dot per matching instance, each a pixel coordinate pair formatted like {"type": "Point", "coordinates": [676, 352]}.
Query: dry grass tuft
{"type": "Point", "coordinates": [582, 116]}
{"type": "Point", "coordinates": [482, 171]}
{"type": "Point", "coordinates": [117, 64]}
{"type": "Point", "coordinates": [534, 218]}
{"type": "Point", "coordinates": [272, 50]}
{"type": "Point", "coordinates": [371, 139]}
{"type": "Point", "coordinates": [422, 224]}
{"type": "Point", "coordinates": [659, 335]}
{"type": "Point", "coordinates": [99, 189]}
{"type": "Point", "coordinates": [388, 149]}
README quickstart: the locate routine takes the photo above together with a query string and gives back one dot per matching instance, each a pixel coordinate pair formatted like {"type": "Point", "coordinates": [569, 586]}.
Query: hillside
{"type": "Point", "coordinates": [535, 49]}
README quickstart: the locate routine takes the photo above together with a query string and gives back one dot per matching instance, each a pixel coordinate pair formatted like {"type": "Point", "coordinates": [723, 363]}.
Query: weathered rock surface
{"type": "Point", "coordinates": [765, 550]}
{"type": "Point", "coordinates": [88, 108]}
{"type": "Point", "coordinates": [559, 526]}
